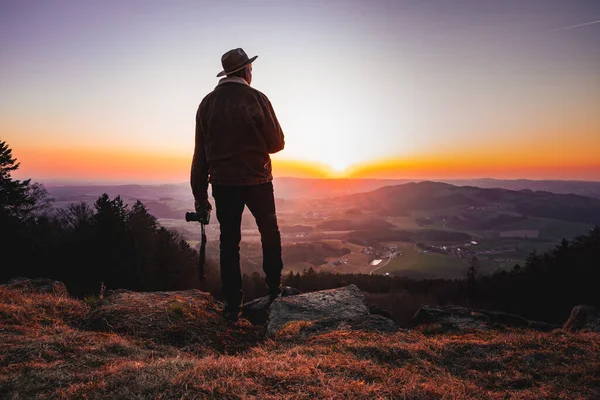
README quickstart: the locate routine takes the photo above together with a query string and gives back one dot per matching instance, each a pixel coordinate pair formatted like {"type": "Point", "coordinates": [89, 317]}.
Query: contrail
{"type": "Point", "coordinates": [578, 25]}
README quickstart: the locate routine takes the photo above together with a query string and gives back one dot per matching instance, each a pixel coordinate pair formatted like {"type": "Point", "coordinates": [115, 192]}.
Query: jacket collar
{"type": "Point", "coordinates": [233, 79]}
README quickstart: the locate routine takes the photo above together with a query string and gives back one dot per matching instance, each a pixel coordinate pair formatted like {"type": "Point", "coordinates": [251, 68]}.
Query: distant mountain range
{"type": "Point", "coordinates": [472, 208]}
{"type": "Point", "coordinates": [141, 192]}
{"type": "Point", "coordinates": [320, 188]}
{"type": "Point", "coordinates": [289, 188]}
{"type": "Point", "coordinates": [582, 188]}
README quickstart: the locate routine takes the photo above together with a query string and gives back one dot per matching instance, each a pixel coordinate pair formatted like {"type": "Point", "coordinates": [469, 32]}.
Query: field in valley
{"type": "Point", "coordinates": [334, 234]}
{"type": "Point", "coordinates": [494, 250]}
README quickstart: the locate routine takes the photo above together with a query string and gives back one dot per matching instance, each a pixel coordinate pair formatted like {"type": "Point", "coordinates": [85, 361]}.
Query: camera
{"type": "Point", "coordinates": [203, 218]}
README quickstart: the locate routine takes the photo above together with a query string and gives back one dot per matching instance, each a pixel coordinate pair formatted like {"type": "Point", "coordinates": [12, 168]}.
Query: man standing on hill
{"type": "Point", "coordinates": [236, 130]}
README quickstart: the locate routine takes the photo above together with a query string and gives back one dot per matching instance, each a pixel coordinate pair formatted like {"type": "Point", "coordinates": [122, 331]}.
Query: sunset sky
{"type": "Point", "coordinates": [107, 90]}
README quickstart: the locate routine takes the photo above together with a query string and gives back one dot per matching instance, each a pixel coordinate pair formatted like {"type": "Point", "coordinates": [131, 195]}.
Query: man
{"type": "Point", "coordinates": [236, 130]}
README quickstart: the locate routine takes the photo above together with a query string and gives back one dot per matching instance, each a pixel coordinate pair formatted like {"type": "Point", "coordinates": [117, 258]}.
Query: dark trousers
{"type": "Point", "coordinates": [230, 202]}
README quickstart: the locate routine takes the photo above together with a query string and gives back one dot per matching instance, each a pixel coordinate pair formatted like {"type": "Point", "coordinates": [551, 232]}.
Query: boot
{"type": "Point", "coordinates": [274, 293]}
{"type": "Point", "coordinates": [231, 311]}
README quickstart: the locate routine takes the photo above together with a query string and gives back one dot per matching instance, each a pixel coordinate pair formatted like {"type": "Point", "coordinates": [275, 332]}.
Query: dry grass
{"type": "Point", "coordinates": [46, 353]}
{"type": "Point", "coordinates": [190, 320]}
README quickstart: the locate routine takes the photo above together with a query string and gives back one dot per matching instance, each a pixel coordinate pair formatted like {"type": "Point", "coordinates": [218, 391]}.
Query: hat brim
{"type": "Point", "coordinates": [250, 61]}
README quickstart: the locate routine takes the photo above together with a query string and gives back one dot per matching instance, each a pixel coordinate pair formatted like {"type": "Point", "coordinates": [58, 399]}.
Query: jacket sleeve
{"type": "Point", "coordinates": [199, 175]}
{"type": "Point", "coordinates": [272, 130]}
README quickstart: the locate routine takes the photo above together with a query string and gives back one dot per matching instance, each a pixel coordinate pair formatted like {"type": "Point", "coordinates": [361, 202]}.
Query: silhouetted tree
{"type": "Point", "coordinates": [548, 286]}
{"type": "Point", "coordinates": [14, 194]}
{"type": "Point", "coordinates": [144, 227]}
{"type": "Point", "coordinates": [84, 246]}
{"type": "Point", "coordinates": [22, 207]}
{"type": "Point", "coordinates": [114, 255]}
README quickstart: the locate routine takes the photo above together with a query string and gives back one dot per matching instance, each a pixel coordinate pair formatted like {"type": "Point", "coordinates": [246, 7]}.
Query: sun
{"type": "Point", "coordinates": [338, 166]}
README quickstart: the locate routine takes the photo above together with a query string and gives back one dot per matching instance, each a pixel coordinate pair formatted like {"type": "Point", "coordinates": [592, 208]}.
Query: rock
{"type": "Point", "coordinates": [583, 318]}
{"type": "Point", "coordinates": [506, 319]}
{"type": "Point", "coordinates": [289, 291]}
{"type": "Point", "coordinates": [366, 323]}
{"type": "Point", "coordinates": [449, 315]}
{"type": "Point", "coordinates": [335, 305]}
{"type": "Point", "coordinates": [373, 309]}
{"type": "Point", "coordinates": [314, 312]}
{"type": "Point", "coordinates": [541, 326]}
{"type": "Point", "coordinates": [462, 318]}
{"type": "Point", "coordinates": [373, 323]}
{"type": "Point", "coordinates": [257, 310]}
{"type": "Point", "coordinates": [15, 280]}
{"type": "Point", "coordinates": [114, 292]}
{"type": "Point", "coordinates": [39, 285]}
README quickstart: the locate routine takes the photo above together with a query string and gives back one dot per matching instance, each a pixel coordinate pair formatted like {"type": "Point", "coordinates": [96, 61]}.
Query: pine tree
{"type": "Point", "coordinates": [114, 255]}
{"type": "Point", "coordinates": [143, 227]}
{"type": "Point", "coordinates": [14, 199]}
{"type": "Point", "coordinates": [22, 244]}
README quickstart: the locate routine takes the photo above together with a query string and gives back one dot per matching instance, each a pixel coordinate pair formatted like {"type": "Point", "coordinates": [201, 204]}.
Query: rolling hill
{"type": "Point", "coordinates": [468, 207]}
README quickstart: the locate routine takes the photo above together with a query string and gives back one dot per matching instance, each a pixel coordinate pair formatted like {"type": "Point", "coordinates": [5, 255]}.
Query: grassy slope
{"type": "Point", "coordinates": [45, 354]}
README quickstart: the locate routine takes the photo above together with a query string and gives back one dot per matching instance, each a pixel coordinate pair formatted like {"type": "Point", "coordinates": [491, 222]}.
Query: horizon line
{"type": "Point", "coordinates": [407, 180]}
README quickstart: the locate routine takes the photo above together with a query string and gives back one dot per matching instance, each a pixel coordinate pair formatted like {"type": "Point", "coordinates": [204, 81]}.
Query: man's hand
{"type": "Point", "coordinates": [202, 205]}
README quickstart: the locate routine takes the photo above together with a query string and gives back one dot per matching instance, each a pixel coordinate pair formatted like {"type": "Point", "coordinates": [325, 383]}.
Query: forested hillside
{"type": "Point", "coordinates": [106, 244]}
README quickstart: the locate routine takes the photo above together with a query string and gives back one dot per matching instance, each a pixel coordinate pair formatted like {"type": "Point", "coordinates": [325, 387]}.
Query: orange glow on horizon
{"type": "Point", "coordinates": [397, 169]}
{"type": "Point", "coordinates": [122, 166]}
{"type": "Point", "coordinates": [103, 165]}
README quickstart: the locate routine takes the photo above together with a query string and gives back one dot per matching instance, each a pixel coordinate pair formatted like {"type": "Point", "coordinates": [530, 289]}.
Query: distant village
{"type": "Point", "coordinates": [466, 250]}
{"type": "Point", "coordinates": [387, 252]}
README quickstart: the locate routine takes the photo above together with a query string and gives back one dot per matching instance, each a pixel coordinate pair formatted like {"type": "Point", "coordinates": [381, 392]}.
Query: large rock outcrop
{"type": "Point", "coordinates": [39, 285]}
{"type": "Point", "coordinates": [191, 317]}
{"type": "Point", "coordinates": [455, 318]}
{"type": "Point", "coordinates": [583, 318]}
{"type": "Point", "coordinates": [342, 308]}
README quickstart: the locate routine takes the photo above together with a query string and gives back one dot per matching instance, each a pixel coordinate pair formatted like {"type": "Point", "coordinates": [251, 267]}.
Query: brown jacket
{"type": "Point", "coordinates": [236, 130]}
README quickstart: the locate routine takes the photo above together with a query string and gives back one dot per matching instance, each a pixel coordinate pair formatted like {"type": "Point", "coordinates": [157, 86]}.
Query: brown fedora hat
{"type": "Point", "coordinates": [234, 60]}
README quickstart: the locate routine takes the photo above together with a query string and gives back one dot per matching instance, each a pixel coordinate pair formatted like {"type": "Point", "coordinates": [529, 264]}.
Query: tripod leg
{"type": "Point", "coordinates": [202, 258]}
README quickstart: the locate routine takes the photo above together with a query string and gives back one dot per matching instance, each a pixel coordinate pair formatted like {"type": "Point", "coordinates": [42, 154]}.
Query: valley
{"type": "Point", "coordinates": [418, 230]}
